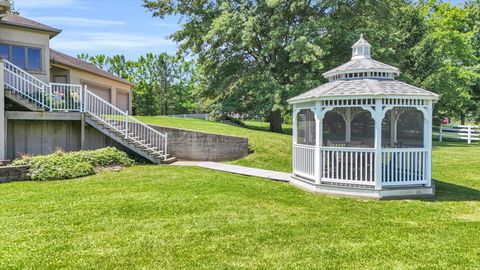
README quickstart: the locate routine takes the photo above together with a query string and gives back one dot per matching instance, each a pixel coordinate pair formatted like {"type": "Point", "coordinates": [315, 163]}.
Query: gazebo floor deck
{"type": "Point", "coordinates": [365, 191]}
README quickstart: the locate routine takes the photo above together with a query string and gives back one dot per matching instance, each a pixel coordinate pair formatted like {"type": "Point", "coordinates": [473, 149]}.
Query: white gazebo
{"type": "Point", "coordinates": [364, 133]}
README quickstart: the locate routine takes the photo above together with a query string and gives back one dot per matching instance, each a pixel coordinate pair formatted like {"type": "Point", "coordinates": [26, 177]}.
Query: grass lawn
{"type": "Point", "coordinates": [167, 217]}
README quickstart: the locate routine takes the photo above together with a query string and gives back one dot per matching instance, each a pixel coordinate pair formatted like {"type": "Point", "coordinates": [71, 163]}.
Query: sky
{"type": "Point", "coordinates": [104, 26]}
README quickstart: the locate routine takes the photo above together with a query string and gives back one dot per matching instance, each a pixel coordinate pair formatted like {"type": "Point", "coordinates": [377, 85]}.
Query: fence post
{"type": "Point", "coordinates": [84, 98]}
{"type": "Point", "coordinates": [440, 133]}
{"type": "Point", "coordinates": [126, 124]}
{"type": "Point", "coordinates": [469, 136]}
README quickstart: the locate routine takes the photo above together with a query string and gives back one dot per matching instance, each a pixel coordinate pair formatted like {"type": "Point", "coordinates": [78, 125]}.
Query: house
{"type": "Point", "coordinates": [51, 100]}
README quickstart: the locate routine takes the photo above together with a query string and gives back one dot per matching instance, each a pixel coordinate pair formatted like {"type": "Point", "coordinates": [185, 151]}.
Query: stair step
{"type": "Point", "coordinates": [168, 160]}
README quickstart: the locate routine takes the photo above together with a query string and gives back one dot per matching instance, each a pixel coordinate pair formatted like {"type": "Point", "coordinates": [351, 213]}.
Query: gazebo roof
{"type": "Point", "coordinates": [364, 87]}
{"type": "Point", "coordinates": [363, 77]}
{"type": "Point", "coordinates": [362, 65]}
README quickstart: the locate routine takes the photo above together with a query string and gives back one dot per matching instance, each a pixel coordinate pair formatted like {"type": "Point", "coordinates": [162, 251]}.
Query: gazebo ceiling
{"type": "Point", "coordinates": [363, 77]}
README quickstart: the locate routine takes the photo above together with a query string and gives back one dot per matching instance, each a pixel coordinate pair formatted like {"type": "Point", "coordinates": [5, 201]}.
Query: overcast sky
{"type": "Point", "coordinates": [103, 26]}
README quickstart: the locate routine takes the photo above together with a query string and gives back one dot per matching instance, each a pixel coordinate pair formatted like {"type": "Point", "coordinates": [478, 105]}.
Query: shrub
{"type": "Point", "coordinates": [61, 165]}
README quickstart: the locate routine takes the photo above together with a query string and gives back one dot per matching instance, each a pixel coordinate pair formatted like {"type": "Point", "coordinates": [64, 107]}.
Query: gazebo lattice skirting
{"type": "Point", "coordinates": [364, 133]}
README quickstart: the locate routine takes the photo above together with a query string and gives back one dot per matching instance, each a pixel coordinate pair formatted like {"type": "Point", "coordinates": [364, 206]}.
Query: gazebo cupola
{"type": "Point", "coordinates": [364, 133]}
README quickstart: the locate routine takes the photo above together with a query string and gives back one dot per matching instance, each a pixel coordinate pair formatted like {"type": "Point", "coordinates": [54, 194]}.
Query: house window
{"type": "Point", "coordinates": [28, 58]}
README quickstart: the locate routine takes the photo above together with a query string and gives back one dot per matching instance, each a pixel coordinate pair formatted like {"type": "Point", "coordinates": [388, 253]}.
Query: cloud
{"type": "Point", "coordinates": [77, 21]}
{"type": "Point", "coordinates": [104, 41]}
{"type": "Point", "coordinates": [21, 4]}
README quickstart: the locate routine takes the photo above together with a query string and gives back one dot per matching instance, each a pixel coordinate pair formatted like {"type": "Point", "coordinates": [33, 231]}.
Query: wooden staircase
{"type": "Point", "coordinates": [35, 95]}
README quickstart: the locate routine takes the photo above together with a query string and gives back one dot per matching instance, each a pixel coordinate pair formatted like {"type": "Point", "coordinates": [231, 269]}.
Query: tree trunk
{"type": "Point", "coordinates": [462, 119]}
{"type": "Point", "coordinates": [276, 121]}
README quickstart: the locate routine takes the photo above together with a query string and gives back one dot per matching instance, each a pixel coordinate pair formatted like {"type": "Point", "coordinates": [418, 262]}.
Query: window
{"type": "Point", "coordinates": [34, 59]}
{"type": "Point", "coordinates": [18, 56]}
{"type": "Point", "coordinates": [28, 58]}
{"type": "Point", "coordinates": [4, 51]}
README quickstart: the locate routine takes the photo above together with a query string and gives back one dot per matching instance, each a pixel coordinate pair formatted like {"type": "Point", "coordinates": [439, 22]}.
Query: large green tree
{"type": "Point", "coordinates": [257, 54]}
{"type": "Point", "coordinates": [254, 54]}
{"type": "Point", "coordinates": [445, 60]}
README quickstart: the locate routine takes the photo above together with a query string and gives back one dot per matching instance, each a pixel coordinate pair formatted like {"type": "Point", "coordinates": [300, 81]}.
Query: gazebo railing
{"type": "Point", "coordinates": [404, 166]}
{"type": "Point", "coordinates": [348, 165]}
{"type": "Point", "coordinates": [304, 160]}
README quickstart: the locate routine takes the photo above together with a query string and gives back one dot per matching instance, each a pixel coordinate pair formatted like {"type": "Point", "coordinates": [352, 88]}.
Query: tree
{"type": "Point", "coordinates": [254, 54]}
{"type": "Point", "coordinates": [163, 83]}
{"type": "Point", "coordinates": [257, 54]}
{"type": "Point", "coordinates": [445, 60]}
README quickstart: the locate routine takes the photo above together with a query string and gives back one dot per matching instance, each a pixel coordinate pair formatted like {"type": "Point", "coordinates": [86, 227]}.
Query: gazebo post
{"type": "Point", "coordinates": [318, 141]}
{"type": "Point", "coordinates": [427, 139]}
{"type": "Point", "coordinates": [378, 117]}
{"type": "Point", "coordinates": [348, 125]}
{"type": "Point", "coordinates": [393, 127]}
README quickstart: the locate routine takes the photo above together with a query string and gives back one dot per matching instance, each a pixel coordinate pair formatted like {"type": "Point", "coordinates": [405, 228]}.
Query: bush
{"type": "Point", "coordinates": [61, 165]}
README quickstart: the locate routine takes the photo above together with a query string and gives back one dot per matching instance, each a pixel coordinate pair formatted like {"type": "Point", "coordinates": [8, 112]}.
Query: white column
{"type": "Point", "coordinates": [318, 143]}
{"type": "Point", "coordinates": [348, 125]}
{"type": "Point", "coordinates": [393, 126]}
{"type": "Point", "coordinates": [427, 141]}
{"type": "Point", "coordinates": [378, 117]}
{"type": "Point", "coordinates": [294, 135]}
{"type": "Point", "coordinates": [3, 128]}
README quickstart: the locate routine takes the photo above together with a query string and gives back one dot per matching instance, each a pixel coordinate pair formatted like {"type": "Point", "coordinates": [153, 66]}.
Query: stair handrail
{"type": "Point", "coordinates": [128, 118]}
{"type": "Point", "coordinates": [42, 87]}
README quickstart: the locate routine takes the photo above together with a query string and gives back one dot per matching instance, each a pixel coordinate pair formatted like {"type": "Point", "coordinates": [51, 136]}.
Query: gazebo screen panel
{"type": "Point", "coordinates": [363, 130]}
{"type": "Point", "coordinates": [333, 130]}
{"type": "Point", "coordinates": [409, 129]}
{"type": "Point", "coordinates": [306, 127]}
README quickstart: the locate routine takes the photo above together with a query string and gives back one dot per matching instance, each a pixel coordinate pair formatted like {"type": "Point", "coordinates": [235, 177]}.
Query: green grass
{"type": "Point", "coordinates": [270, 150]}
{"type": "Point", "coordinates": [167, 217]}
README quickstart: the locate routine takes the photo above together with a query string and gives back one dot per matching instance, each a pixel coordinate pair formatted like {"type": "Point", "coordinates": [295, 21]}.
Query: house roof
{"type": "Point", "coordinates": [19, 21]}
{"type": "Point", "coordinates": [67, 60]}
{"type": "Point", "coordinates": [362, 64]}
{"type": "Point", "coordinates": [364, 87]}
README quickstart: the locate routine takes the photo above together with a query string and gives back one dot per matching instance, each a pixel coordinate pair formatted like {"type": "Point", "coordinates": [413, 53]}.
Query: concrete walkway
{"type": "Point", "coordinates": [272, 175]}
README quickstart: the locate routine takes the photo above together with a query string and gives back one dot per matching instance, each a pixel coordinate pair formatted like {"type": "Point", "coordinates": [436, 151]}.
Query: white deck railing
{"type": "Point", "coordinates": [65, 97]}
{"type": "Point", "coordinates": [304, 160]}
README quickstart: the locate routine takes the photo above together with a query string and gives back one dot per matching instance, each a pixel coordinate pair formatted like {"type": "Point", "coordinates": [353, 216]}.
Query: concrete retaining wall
{"type": "Point", "coordinates": [11, 173]}
{"type": "Point", "coordinates": [193, 145]}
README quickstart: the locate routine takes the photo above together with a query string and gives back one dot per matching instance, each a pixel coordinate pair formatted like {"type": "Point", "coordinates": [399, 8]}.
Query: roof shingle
{"type": "Point", "coordinates": [74, 62]}
{"type": "Point", "coordinates": [17, 20]}
{"type": "Point", "coordinates": [365, 87]}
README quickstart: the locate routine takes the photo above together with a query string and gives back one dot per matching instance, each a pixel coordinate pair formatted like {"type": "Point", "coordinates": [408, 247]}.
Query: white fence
{"type": "Point", "coordinates": [203, 116]}
{"type": "Point", "coordinates": [459, 132]}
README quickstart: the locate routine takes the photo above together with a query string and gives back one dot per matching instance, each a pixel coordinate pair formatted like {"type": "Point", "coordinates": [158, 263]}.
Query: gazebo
{"type": "Point", "coordinates": [364, 133]}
